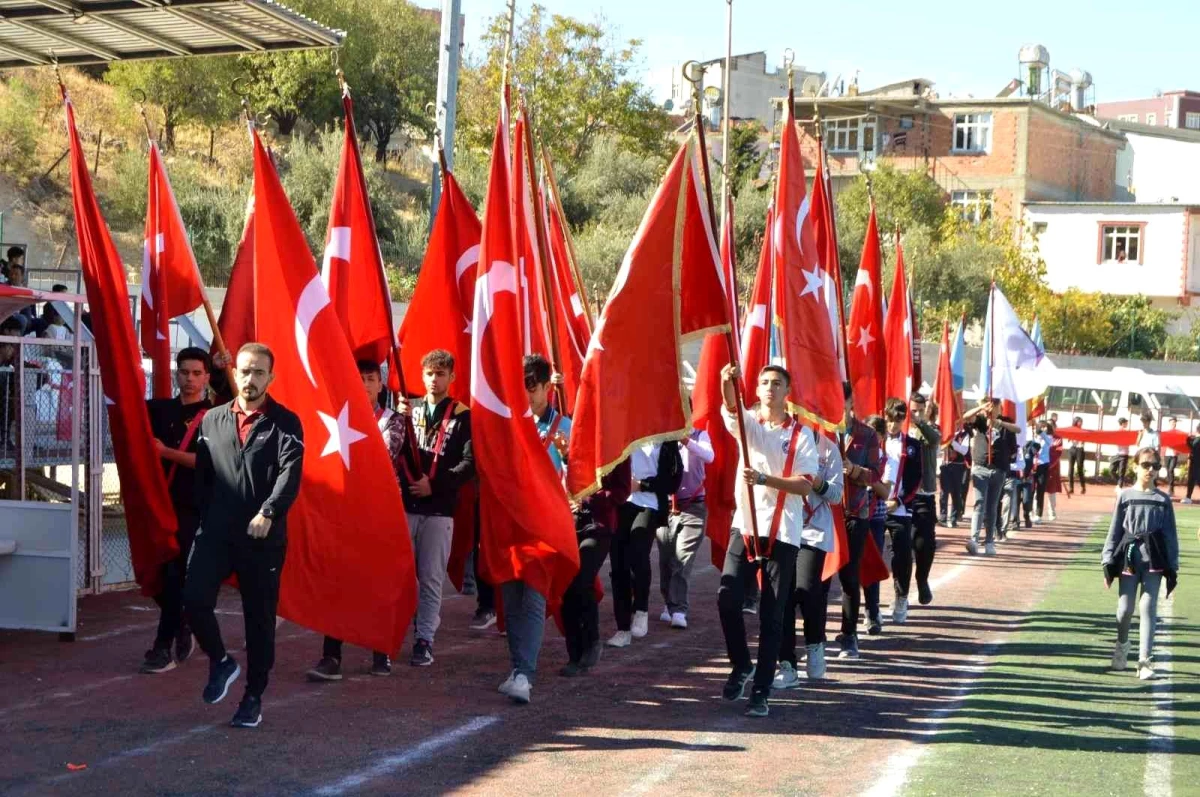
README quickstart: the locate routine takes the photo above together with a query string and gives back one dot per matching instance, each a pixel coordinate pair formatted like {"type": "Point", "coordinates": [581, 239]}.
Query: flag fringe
{"type": "Point", "coordinates": [604, 470]}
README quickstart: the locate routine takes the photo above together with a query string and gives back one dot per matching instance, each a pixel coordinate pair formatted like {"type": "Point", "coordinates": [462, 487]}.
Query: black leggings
{"type": "Point", "coordinates": [631, 561]}
{"type": "Point", "coordinates": [809, 597]}
{"type": "Point", "coordinates": [171, 618]}
{"type": "Point", "coordinates": [580, 610]}
{"type": "Point", "coordinates": [924, 537]}
{"type": "Point", "coordinates": [900, 528]}
{"type": "Point", "coordinates": [856, 533]}
{"type": "Point", "coordinates": [1075, 460]}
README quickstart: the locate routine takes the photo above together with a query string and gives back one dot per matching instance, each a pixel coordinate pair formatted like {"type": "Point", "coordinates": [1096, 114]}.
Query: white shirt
{"type": "Point", "coordinates": [818, 529]}
{"type": "Point", "coordinates": [894, 449]}
{"type": "Point", "coordinates": [768, 446]}
{"type": "Point", "coordinates": [1148, 440]}
{"type": "Point", "coordinates": [643, 461]}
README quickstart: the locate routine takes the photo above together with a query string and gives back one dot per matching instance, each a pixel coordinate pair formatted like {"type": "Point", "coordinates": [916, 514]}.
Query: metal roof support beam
{"type": "Point", "coordinates": [224, 32]}
{"type": "Point", "coordinates": [295, 25]}
{"type": "Point", "coordinates": [73, 41]}
{"type": "Point", "coordinates": [140, 33]}
{"type": "Point", "coordinates": [25, 55]}
{"type": "Point", "coordinates": [49, 7]}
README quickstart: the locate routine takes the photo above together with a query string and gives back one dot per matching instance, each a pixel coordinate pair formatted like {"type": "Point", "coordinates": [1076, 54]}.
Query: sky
{"type": "Point", "coordinates": [965, 48]}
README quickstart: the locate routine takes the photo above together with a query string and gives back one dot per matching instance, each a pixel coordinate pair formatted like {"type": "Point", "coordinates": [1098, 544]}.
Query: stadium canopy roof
{"type": "Point", "coordinates": [77, 32]}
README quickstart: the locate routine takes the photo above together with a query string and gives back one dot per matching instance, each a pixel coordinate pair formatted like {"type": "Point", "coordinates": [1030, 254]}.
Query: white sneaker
{"type": "Point", "coordinates": [1145, 671]}
{"type": "Point", "coordinates": [972, 547]}
{"type": "Point", "coordinates": [899, 617]}
{"type": "Point", "coordinates": [666, 615]}
{"type": "Point", "coordinates": [814, 665]}
{"type": "Point", "coordinates": [519, 689]}
{"type": "Point", "coordinates": [1186, 501]}
{"type": "Point", "coordinates": [786, 678]}
{"type": "Point", "coordinates": [621, 639]}
{"type": "Point", "coordinates": [989, 549]}
{"type": "Point", "coordinates": [1120, 657]}
{"type": "Point", "coordinates": [679, 620]}
{"type": "Point", "coordinates": [1053, 517]}
{"type": "Point", "coordinates": [1037, 521]}
{"type": "Point", "coordinates": [641, 625]}
{"type": "Point", "coordinates": [507, 683]}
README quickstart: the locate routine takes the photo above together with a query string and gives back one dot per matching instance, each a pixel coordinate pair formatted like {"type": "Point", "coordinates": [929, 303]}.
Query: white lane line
{"type": "Point", "coordinates": [125, 629]}
{"type": "Point", "coordinates": [1156, 781]}
{"type": "Point", "coordinates": [34, 703]}
{"type": "Point", "coordinates": [672, 763]}
{"type": "Point", "coordinates": [406, 758]}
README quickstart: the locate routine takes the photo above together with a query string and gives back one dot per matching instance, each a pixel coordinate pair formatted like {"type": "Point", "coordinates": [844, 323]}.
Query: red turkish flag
{"type": "Point", "coordinates": [170, 280]}
{"type": "Point", "coordinates": [533, 290]}
{"type": "Point", "coordinates": [527, 532]}
{"type": "Point", "coordinates": [898, 337]}
{"type": "Point", "coordinates": [825, 233]}
{"type": "Point", "coordinates": [571, 317]}
{"type": "Point", "coordinates": [439, 315]}
{"type": "Point", "coordinates": [720, 476]}
{"type": "Point", "coordinates": [349, 571]}
{"type": "Point", "coordinates": [864, 332]}
{"type": "Point", "coordinates": [237, 311]}
{"type": "Point", "coordinates": [949, 414]}
{"type": "Point", "coordinates": [756, 332]}
{"type": "Point", "coordinates": [670, 288]}
{"type": "Point", "coordinates": [352, 269]}
{"type": "Point", "coordinates": [801, 313]}
{"type": "Point", "coordinates": [149, 515]}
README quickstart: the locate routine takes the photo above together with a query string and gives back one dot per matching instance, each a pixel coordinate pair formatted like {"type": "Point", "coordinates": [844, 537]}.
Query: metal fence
{"type": "Point", "coordinates": [36, 381]}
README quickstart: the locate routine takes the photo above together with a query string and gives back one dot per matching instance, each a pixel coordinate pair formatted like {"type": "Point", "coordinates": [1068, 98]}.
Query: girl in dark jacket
{"type": "Point", "coordinates": [1142, 549]}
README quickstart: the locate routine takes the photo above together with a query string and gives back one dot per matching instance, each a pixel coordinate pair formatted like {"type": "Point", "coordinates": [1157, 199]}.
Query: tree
{"type": "Point", "coordinates": [579, 82]}
{"type": "Point", "coordinates": [1139, 330]}
{"type": "Point", "coordinates": [1075, 322]}
{"type": "Point", "coordinates": [745, 161]}
{"type": "Point", "coordinates": [195, 89]}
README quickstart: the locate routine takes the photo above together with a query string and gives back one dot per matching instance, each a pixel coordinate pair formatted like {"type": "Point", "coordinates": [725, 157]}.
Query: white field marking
{"type": "Point", "coordinates": [1157, 779]}
{"type": "Point", "coordinates": [125, 629]}
{"type": "Point", "coordinates": [404, 759]}
{"type": "Point", "coordinates": [28, 704]}
{"type": "Point", "coordinates": [136, 608]}
{"type": "Point", "coordinates": [672, 763]}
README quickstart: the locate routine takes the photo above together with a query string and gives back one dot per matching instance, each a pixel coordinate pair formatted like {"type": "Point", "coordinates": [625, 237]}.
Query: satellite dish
{"type": "Point", "coordinates": [669, 105]}
{"type": "Point", "coordinates": [712, 96]}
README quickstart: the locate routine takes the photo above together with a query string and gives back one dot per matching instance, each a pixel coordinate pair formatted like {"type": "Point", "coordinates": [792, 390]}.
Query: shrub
{"type": "Point", "coordinates": [19, 129]}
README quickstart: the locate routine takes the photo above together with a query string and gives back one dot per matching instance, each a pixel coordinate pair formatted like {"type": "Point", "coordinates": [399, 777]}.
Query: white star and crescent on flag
{"type": "Point", "coordinates": [341, 434]}
{"type": "Point", "coordinates": [814, 282]}
{"type": "Point", "coordinates": [864, 338]}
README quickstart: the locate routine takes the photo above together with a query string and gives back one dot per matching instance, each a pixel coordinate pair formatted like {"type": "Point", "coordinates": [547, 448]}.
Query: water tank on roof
{"type": "Point", "coordinates": [1034, 59]}
{"type": "Point", "coordinates": [1081, 81]}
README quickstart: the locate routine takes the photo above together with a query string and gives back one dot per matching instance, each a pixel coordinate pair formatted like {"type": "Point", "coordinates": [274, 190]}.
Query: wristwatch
{"type": "Point", "coordinates": [761, 480]}
{"type": "Point", "coordinates": [267, 512]}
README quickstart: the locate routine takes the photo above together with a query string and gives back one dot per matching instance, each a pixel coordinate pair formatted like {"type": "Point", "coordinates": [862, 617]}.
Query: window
{"type": "Point", "coordinates": [972, 132]}
{"type": "Point", "coordinates": [1174, 402]}
{"type": "Point", "coordinates": [1072, 399]}
{"type": "Point", "coordinates": [1040, 227]}
{"type": "Point", "coordinates": [974, 206]}
{"type": "Point", "coordinates": [1191, 120]}
{"type": "Point", "coordinates": [851, 135]}
{"type": "Point", "coordinates": [1152, 119]}
{"type": "Point", "coordinates": [1127, 117]}
{"type": "Point", "coordinates": [1120, 243]}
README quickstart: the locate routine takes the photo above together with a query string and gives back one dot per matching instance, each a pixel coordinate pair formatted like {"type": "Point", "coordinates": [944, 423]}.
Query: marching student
{"type": "Point", "coordinates": [1148, 438]}
{"type": "Point", "coordinates": [924, 506]}
{"type": "Point", "coordinates": [903, 469]}
{"type": "Point", "coordinates": [443, 435]}
{"type": "Point", "coordinates": [525, 607]}
{"type": "Point", "coordinates": [993, 446]}
{"type": "Point", "coordinates": [1171, 458]}
{"type": "Point", "coordinates": [392, 426]}
{"type": "Point", "coordinates": [1041, 469]}
{"type": "Point", "coordinates": [175, 423]}
{"type": "Point", "coordinates": [809, 592]}
{"type": "Point", "coordinates": [249, 459]}
{"type": "Point", "coordinates": [880, 490]}
{"type": "Point", "coordinates": [679, 540]}
{"type": "Point", "coordinates": [863, 466]}
{"type": "Point", "coordinates": [1141, 551]}
{"type": "Point", "coordinates": [1120, 463]}
{"type": "Point", "coordinates": [782, 462]}
{"type": "Point", "coordinates": [1053, 469]}
{"type": "Point", "coordinates": [951, 475]}
{"type": "Point", "coordinates": [1193, 442]}
{"type": "Point", "coordinates": [1075, 460]}
{"type": "Point", "coordinates": [657, 470]}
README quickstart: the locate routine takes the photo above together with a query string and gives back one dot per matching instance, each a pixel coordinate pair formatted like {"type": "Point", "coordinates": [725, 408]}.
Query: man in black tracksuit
{"type": "Point", "coordinates": [248, 466]}
{"type": "Point", "coordinates": [175, 423]}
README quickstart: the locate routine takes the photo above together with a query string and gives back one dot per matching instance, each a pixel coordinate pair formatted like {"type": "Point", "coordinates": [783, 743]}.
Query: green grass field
{"type": "Point", "coordinates": [1049, 717]}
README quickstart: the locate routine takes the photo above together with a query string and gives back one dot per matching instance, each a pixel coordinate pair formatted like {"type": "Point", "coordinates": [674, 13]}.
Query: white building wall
{"type": "Point", "coordinates": [752, 86]}
{"type": "Point", "coordinates": [1159, 169]}
{"type": "Point", "coordinates": [1193, 250]}
{"type": "Point", "coordinates": [1070, 241]}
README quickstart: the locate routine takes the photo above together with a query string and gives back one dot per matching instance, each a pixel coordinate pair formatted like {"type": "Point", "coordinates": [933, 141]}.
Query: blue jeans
{"type": "Point", "coordinates": [524, 623]}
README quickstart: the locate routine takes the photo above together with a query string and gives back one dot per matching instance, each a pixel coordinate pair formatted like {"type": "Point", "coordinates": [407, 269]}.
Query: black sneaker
{"type": "Point", "coordinates": [750, 606]}
{"type": "Point", "coordinates": [572, 670]}
{"type": "Point", "coordinates": [184, 644]}
{"type": "Point", "coordinates": [739, 680]}
{"type": "Point", "coordinates": [249, 712]}
{"type": "Point", "coordinates": [157, 660]}
{"type": "Point", "coordinates": [591, 656]}
{"type": "Point", "coordinates": [874, 625]}
{"type": "Point", "coordinates": [758, 704]}
{"type": "Point", "coordinates": [381, 665]}
{"type": "Point", "coordinates": [422, 655]}
{"type": "Point", "coordinates": [483, 620]}
{"type": "Point", "coordinates": [849, 643]}
{"type": "Point", "coordinates": [221, 675]}
{"type": "Point", "coordinates": [327, 669]}
{"type": "Point", "coordinates": [924, 593]}
{"type": "Point", "coordinates": [942, 521]}
{"type": "Point", "coordinates": [1028, 523]}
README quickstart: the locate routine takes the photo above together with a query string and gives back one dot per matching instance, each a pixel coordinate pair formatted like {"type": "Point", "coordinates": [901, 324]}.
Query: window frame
{"type": "Point", "coordinates": [976, 205]}
{"type": "Point", "coordinates": [1190, 117]}
{"type": "Point", "coordinates": [847, 128]}
{"type": "Point", "coordinates": [1141, 239]}
{"type": "Point", "coordinates": [1152, 119]}
{"type": "Point", "coordinates": [972, 126]}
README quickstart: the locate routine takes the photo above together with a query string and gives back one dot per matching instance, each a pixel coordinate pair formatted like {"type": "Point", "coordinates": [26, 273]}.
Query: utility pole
{"type": "Point", "coordinates": [449, 57]}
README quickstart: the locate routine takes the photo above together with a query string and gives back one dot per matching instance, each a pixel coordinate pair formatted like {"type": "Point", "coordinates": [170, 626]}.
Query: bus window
{"type": "Point", "coordinates": [1135, 401]}
{"type": "Point", "coordinates": [1174, 402]}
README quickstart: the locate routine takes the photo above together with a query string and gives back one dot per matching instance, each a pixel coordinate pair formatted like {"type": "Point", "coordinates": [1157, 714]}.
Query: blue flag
{"type": "Point", "coordinates": [958, 357]}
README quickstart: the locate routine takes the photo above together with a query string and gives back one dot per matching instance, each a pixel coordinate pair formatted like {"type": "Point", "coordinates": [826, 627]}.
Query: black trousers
{"type": "Point", "coordinates": [900, 529]}
{"type": "Point", "coordinates": [1039, 485]}
{"type": "Point", "coordinates": [1193, 475]}
{"type": "Point", "coordinates": [924, 538]}
{"type": "Point", "coordinates": [1120, 466]}
{"type": "Point", "coordinates": [332, 648]}
{"type": "Point", "coordinates": [485, 593]}
{"type": "Point", "coordinates": [1172, 462]}
{"type": "Point", "coordinates": [258, 567]}
{"type": "Point", "coordinates": [807, 595]}
{"type": "Point", "coordinates": [1075, 460]}
{"type": "Point", "coordinates": [878, 527]}
{"type": "Point", "coordinates": [580, 611]}
{"type": "Point", "coordinates": [857, 530]}
{"type": "Point", "coordinates": [951, 480]}
{"type": "Point", "coordinates": [779, 574]}
{"type": "Point", "coordinates": [171, 619]}
{"type": "Point", "coordinates": [631, 561]}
